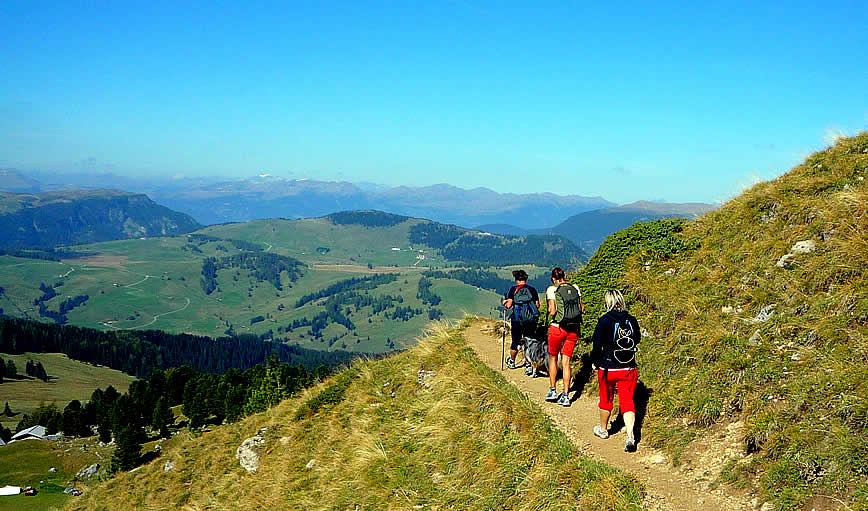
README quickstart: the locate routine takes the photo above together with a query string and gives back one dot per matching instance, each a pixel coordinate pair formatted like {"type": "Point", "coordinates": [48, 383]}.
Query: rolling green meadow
{"type": "Point", "coordinates": [68, 380]}
{"type": "Point", "coordinates": [154, 283]}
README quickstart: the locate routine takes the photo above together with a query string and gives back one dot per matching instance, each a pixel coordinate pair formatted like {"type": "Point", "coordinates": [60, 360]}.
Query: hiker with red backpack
{"type": "Point", "coordinates": [523, 299]}
{"type": "Point", "coordinates": [614, 356]}
{"type": "Point", "coordinates": [565, 307]}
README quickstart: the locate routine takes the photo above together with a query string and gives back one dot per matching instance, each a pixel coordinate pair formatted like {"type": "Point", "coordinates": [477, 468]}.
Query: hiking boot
{"type": "Point", "coordinates": [510, 363]}
{"type": "Point", "coordinates": [564, 399]}
{"type": "Point", "coordinates": [630, 445]}
{"type": "Point", "coordinates": [552, 395]}
{"type": "Point", "coordinates": [528, 371]}
{"type": "Point", "coordinates": [600, 432]}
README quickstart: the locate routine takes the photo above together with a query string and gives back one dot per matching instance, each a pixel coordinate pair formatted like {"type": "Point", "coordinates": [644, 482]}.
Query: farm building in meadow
{"type": "Point", "coordinates": [33, 433]}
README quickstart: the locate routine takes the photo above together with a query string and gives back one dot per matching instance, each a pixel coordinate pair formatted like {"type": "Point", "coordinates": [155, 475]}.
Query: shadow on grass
{"type": "Point", "coordinates": [148, 457]}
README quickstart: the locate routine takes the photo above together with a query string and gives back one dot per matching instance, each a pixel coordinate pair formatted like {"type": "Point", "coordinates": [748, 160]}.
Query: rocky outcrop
{"type": "Point", "coordinates": [247, 453]}
{"type": "Point", "coordinates": [88, 472]}
{"type": "Point", "coordinates": [801, 247]}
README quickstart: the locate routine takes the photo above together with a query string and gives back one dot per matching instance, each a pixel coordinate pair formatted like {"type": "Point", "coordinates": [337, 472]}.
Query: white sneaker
{"type": "Point", "coordinates": [630, 445]}
{"type": "Point", "coordinates": [600, 432]}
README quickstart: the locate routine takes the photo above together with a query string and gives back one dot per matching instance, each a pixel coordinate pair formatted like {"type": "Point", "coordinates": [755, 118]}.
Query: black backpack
{"type": "Point", "coordinates": [572, 320]}
{"type": "Point", "coordinates": [525, 310]}
{"type": "Point", "coordinates": [623, 345]}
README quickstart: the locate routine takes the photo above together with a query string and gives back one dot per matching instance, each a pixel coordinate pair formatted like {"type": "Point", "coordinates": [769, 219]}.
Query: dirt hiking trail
{"type": "Point", "coordinates": [667, 487]}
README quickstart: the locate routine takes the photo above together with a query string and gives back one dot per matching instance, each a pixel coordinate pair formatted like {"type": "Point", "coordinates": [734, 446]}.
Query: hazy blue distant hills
{"type": "Point", "coordinates": [584, 220]}
{"type": "Point", "coordinates": [590, 228]}
{"type": "Point", "coordinates": [450, 204]}
{"type": "Point", "coordinates": [13, 181]}
{"type": "Point", "coordinates": [213, 201]}
{"type": "Point", "coordinates": [84, 216]}
{"type": "Point", "coordinates": [278, 198]}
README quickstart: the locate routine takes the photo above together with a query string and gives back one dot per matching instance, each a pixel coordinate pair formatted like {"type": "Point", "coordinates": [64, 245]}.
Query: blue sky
{"type": "Point", "coordinates": [649, 100]}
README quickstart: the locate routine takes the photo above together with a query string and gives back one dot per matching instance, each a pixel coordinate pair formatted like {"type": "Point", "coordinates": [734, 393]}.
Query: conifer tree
{"type": "Point", "coordinates": [39, 372]}
{"type": "Point", "coordinates": [105, 429]}
{"type": "Point", "coordinates": [5, 433]}
{"type": "Point", "coordinates": [128, 450]}
{"type": "Point", "coordinates": [29, 368]}
{"type": "Point", "coordinates": [44, 415]}
{"type": "Point", "coordinates": [194, 404]}
{"type": "Point", "coordinates": [73, 425]}
{"type": "Point", "coordinates": [11, 369]}
{"type": "Point", "coordinates": [8, 411]}
{"type": "Point", "coordinates": [232, 389]}
{"type": "Point", "coordinates": [162, 417]}
{"type": "Point", "coordinates": [2, 369]}
{"type": "Point", "coordinates": [267, 393]}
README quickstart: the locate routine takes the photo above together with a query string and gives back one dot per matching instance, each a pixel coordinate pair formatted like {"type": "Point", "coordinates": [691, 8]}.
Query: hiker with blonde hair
{"type": "Point", "coordinates": [614, 356]}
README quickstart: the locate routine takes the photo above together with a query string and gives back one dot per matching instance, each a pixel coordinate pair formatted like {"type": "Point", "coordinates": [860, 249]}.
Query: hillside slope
{"type": "Point", "coordinates": [66, 218]}
{"type": "Point", "coordinates": [430, 428]}
{"type": "Point", "coordinates": [757, 320]}
{"type": "Point", "coordinates": [590, 228]}
{"type": "Point", "coordinates": [13, 181]}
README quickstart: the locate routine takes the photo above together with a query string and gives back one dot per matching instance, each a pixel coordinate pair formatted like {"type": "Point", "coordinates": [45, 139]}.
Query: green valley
{"type": "Point", "coordinates": [248, 278]}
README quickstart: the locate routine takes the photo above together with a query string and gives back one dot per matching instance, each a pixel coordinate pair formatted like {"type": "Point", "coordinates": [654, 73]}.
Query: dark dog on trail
{"type": "Point", "coordinates": [536, 353]}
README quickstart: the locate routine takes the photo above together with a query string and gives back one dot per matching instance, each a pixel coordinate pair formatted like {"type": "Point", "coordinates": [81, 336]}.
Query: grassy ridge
{"type": "Point", "coordinates": [797, 381]}
{"type": "Point", "coordinates": [382, 436]}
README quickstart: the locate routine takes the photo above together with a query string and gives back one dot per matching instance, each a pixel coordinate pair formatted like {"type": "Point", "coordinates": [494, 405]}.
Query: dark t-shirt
{"type": "Point", "coordinates": [533, 293]}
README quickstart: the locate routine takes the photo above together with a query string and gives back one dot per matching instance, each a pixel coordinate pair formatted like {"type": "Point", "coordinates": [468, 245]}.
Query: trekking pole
{"type": "Point", "coordinates": [503, 340]}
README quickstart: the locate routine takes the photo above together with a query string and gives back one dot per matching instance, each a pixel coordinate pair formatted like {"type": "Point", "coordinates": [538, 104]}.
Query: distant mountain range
{"type": "Point", "coordinates": [74, 217]}
{"type": "Point", "coordinates": [588, 229]}
{"type": "Point", "coordinates": [14, 181]}
{"type": "Point", "coordinates": [586, 221]}
{"type": "Point", "coordinates": [215, 202]}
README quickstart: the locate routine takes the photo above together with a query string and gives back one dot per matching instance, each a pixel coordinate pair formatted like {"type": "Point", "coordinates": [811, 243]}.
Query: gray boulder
{"type": "Point", "coordinates": [88, 472]}
{"type": "Point", "coordinates": [247, 453]}
{"type": "Point", "coordinates": [804, 247]}
{"type": "Point", "coordinates": [765, 314]}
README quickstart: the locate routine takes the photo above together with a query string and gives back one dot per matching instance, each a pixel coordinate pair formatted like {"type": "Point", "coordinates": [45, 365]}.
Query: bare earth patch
{"type": "Point", "coordinates": [101, 260]}
{"type": "Point", "coordinates": [353, 268]}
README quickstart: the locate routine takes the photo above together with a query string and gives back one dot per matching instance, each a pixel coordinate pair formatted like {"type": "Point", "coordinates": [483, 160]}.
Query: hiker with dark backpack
{"type": "Point", "coordinates": [565, 307]}
{"type": "Point", "coordinates": [614, 355]}
{"type": "Point", "coordinates": [523, 299]}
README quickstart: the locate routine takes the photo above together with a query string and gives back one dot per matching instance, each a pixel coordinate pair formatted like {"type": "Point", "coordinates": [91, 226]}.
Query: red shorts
{"type": "Point", "coordinates": [625, 380]}
{"type": "Point", "coordinates": [561, 341]}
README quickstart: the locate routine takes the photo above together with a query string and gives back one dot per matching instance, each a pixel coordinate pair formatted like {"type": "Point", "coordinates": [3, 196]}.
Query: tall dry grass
{"type": "Point", "coordinates": [459, 438]}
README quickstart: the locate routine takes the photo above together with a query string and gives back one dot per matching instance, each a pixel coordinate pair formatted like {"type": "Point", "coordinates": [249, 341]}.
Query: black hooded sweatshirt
{"type": "Point", "coordinates": [613, 351]}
